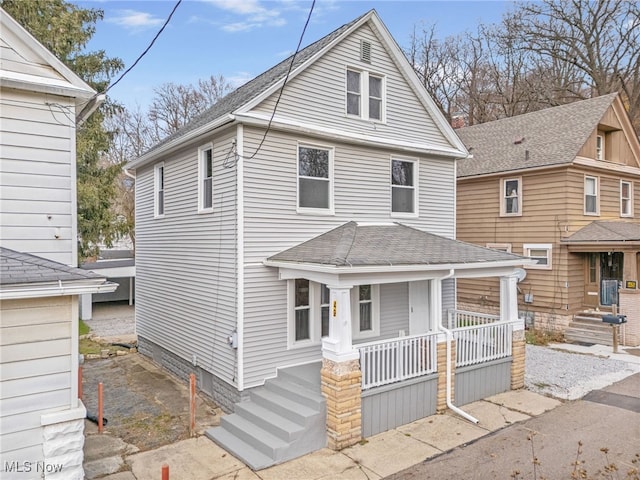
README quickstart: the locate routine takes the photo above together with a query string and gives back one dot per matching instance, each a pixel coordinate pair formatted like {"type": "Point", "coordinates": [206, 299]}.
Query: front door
{"type": "Point", "coordinates": [611, 265]}
{"type": "Point", "coordinates": [419, 307]}
{"type": "Point", "coordinates": [591, 280]}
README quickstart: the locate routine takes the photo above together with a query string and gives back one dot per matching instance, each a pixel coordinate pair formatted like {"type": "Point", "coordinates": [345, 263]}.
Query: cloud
{"type": "Point", "coordinates": [239, 78]}
{"type": "Point", "coordinates": [134, 20]}
{"type": "Point", "coordinates": [253, 15]}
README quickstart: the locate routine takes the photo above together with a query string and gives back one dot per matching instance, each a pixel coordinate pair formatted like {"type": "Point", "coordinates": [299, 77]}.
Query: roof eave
{"type": "Point", "coordinates": [55, 289]}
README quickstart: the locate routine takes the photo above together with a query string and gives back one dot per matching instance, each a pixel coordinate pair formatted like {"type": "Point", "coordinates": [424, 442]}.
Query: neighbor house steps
{"type": "Point", "coordinates": [282, 420]}
{"type": "Point", "coordinates": [588, 327]}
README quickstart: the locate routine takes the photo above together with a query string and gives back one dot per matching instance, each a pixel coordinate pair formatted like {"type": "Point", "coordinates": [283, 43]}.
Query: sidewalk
{"type": "Point", "coordinates": [377, 457]}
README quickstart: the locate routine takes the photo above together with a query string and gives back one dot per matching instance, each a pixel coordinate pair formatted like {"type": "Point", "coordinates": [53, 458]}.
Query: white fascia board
{"type": "Point", "coordinates": [276, 86]}
{"type": "Point", "coordinates": [179, 142]}
{"type": "Point", "coordinates": [294, 126]}
{"type": "Point", "coordinates": [54, 290]}
{"type": "Point", "coordinates": [33, 83]}
{"type": "Point", "coordinates": [410, 75]}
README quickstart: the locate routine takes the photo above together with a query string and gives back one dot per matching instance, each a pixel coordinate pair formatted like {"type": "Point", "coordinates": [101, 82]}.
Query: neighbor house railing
{"type": "Point", "coordinates": [482, 343]}
{"type": "Point", "coordinates": [389, 361]}
{"type": "Point", "coordinates": [462, 318]}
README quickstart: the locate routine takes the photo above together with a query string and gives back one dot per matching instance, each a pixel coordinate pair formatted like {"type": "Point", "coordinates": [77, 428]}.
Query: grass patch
{"type": "Point", "coordinates": [543, 337]}
{"type": "Point", "coordinates": [89, 346]}
{"type": "Point", "coordinates": [83, 328]}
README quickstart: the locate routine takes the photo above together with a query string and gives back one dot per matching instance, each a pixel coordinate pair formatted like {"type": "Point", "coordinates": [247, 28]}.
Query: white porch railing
{"type": "Point", "coordinates": [389, 361]}
{"type": "Point", "coordinates": [462, 318]}
{"type": "Point", "coordinates": [482, 343]}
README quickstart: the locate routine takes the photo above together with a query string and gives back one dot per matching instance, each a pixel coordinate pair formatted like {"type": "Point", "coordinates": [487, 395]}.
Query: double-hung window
{"type": "Point", "coordinates": [541, 252]}
{"type": "Point", "coordinates": [315, 178]}
{"type": "Point", "coordinates": [302, 309]}
{"type": "Point", "coordinates": [511, 190]}
{"type": "Point", "coordinates": [591, 195]}
{"type": "Point", "coordinates": [626, 199]}
{"type": "Point", "coordinates": [158, 197]}
{"type": "Point", "coordinates": [599, 147]}
{"type": "Point", "coordinates": [308, 312]}
{"type": "Point", "coordinates": [324, 310]}
{"type": "Point", "coordinates": [365, 95]}
{"type": "Point", "coordinates": [205, 179]}
{"type": "Point", "coordinates": [403, 187]}
{"type": "Point", "coordinates": [366, 311]}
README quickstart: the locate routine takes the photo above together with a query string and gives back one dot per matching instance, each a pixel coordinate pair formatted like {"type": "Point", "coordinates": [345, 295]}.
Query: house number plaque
{"type": "Point", "coordinates": [632, 284]}
{"type": "Point", "coordinates": [334, 308]}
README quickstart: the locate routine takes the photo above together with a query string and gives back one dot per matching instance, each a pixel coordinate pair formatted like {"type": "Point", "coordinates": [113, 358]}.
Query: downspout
{"type": "Point", "coordinates": [449, 334]}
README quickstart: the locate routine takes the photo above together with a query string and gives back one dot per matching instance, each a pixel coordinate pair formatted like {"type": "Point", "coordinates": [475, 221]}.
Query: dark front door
{"type": "Point", "coordinates": [610, 276]}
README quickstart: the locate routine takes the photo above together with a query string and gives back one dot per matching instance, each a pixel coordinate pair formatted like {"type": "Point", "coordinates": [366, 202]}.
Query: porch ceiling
{"type": "Point", "coordinates": [381, 249]}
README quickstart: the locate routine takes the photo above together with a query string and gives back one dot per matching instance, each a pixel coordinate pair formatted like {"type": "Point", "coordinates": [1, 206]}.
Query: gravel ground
{"type": "Point", "coordinates": [113, 321]}
{"type": "Point", "coordinates": [569, 376]}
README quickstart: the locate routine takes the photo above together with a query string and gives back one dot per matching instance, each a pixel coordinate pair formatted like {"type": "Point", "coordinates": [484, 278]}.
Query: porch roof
{"type": "Point", "coordinates": [392, 245]}
{"type": "Point", "coordinates": [606, 232]}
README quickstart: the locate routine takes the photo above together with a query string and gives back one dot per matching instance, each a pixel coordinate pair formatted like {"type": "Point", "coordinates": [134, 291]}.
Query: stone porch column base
{"type": "Point", "coordinates": [341, 386]}
{"type": "Point", "coordinates": [517, 364]}
{"type": "Point", "coordinates": [630, 306]}
{"type": "Point", "coordinates": [441, 403]}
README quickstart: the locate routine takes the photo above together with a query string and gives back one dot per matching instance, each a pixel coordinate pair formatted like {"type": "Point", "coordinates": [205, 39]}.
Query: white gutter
{"type": "Point", "coordinates": [55, 290]}
{"type": "Point", "coordinates": [448, 386]}
{"type": "Point", "coordinates": [91, 106]}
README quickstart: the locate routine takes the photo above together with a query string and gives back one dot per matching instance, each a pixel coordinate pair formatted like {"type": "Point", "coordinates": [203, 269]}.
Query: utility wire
{"type": "Point", "coordinates": [293, 59]}
{"type": "Point", "coordinates": [175, 7]}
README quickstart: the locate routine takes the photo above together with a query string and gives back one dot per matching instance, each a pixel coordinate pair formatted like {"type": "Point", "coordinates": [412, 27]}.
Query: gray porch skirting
{"type": "Point", "coordinates": [476, 382]}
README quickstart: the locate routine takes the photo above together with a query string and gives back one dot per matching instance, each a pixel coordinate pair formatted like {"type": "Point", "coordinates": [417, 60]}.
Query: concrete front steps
{"type": "Point", "coordinates": [588, 327]}
{"type": "Point", "coordinates": [284, 419]}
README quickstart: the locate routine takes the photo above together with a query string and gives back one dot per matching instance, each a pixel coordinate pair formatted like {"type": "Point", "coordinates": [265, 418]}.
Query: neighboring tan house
{"type": "Point", "coordinates": [41, 417]}
{"type": "Point", "coordinates": [278, 255]}
{"type": "Point", "coordinates": [561, 186]}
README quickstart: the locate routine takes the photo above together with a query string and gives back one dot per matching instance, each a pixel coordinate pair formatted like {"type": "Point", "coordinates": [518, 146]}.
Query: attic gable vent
{"type": "Point", "coordinates": [365, 51]}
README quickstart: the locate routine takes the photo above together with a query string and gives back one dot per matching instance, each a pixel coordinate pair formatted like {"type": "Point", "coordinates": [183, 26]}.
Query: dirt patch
{"type": "Point", "coordinates": [145, 406]}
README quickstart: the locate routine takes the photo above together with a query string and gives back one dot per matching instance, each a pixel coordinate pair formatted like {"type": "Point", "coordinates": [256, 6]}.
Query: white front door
{"type": "Point", "coordinates": [419, 307]}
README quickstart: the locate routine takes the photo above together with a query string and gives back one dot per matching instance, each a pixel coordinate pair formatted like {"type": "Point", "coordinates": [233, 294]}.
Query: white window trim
{"type": "Point", "coordinates": [416, 193]}
{"type": "Point", "coordinates": [526, 249]}
{"type": "Point", "coordinates": [502, 247]}
{"type": "Point", "coordinates": [314, 316]}
{"type": "Point", "coordinates": [503, 197]}
{"type": "Point", "coordinates": [364, 95]}
{"type": "Point", "coordinates": [375, 314]}
{"type": "Point", "coordinates": [630, 213]}
{"type": "Point", "coordinates": [600, 149]}
{"type": "Point", "coordinates": [156, 190]}
{"type": "Point", "coordinates": [584, 199]}
{"type": "Point", "coordinates": [201, 173]}
{"type": "Point", "coordinates": [315, 211]}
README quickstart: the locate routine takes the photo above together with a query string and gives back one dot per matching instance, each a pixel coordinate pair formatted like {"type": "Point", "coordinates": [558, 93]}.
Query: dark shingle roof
{"type": "Point", "coordinates": [255, 87]}
{"type": "Point", "coordinates": [552, 136]}
{"type": "Point", "coordinates": [19, 268]}
{"type": "Point", "coordinates": [362, 245]}
{"type": "Point", "coordinates": [604, 231]}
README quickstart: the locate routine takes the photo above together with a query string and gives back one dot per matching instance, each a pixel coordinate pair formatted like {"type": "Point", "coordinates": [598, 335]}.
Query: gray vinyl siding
{"type": "Point", "coordinates": [185, 262]}
{"type": "Point", "coordinates": [361, 193]}
{"type": "Point", "coordinates": [318, 95]}
{"type": "Point", "coordinates": [37, 194]}
{"type": "Point", "coordinates": [476, 382]}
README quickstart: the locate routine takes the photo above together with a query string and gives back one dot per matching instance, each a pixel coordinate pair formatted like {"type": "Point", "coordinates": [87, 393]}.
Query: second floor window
{"type": "Point", "coordinates": [600, 147]}
{"type": "Point", "coordinates": [205, 172]}
{"type": "Point", "coordinates": [626, 199]}
{"type": "Point", "coordinates": [511, 197]}
{"type": "Point", "coordinates": [403, 186]}
{"type": "Point", "coordinates": [314, 178]}
{"type": "Point", "coordinates": [365, 95]}
{"type": "Point", "coordinates": [159, 190]}
{"type": "Point", "coordinates": [591, 195]}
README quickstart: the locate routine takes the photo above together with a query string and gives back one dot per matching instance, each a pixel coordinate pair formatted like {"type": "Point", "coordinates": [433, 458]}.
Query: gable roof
{"type": "Point", "coordinates": [27, 65]}
{"type": "Point", "coordinates": [271, 80]}
{"type": "Point", "coordinates": [552, 136]}
{"type": "Point", "coordinates": [353, 245]}
{"type": "Point", "coordinates": [606, 231]}
{"type": "Point", "coordinates": [23, 275]}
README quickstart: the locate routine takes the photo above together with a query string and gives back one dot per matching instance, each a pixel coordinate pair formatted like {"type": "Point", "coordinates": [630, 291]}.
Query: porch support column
{"type": "Point", "coordinates": [340, 375]}
{"type": "Point", "coordinates": [509, 313]}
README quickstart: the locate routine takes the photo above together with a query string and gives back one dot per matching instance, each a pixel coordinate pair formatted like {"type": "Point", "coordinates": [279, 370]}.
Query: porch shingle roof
{"type": "Point", "coordinates": [604, 231]}
{"type": "Point", "coordinates": [552, 136]}
{"type": "Point", "coordinates": [20, 268]}
{"type": "Point", "coordinates": [363, 245]}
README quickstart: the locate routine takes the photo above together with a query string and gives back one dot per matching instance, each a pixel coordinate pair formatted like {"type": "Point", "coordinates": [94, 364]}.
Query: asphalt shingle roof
{"type": "Point", "coordinates": [255, 87]}
{"type": "Point", "coordinates": [19, 268]}
{"type": "Point", "coordinates": [551, 136]}
{"type": "Point", "coordinates": [362, 245]}
{"type": "Point", "coordinates": [604, 231]}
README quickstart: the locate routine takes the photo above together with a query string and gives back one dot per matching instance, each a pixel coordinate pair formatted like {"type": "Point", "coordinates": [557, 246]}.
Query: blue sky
{"type": "Point", "coordinates": [239, 39]}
